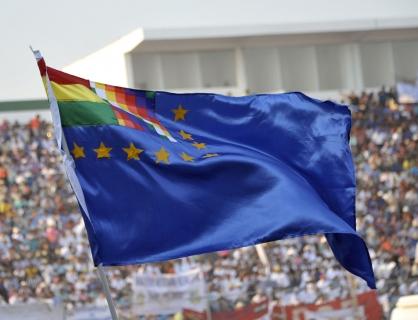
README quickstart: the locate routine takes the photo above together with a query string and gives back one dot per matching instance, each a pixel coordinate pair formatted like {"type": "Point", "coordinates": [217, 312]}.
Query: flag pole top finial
{"type": "Point", "coordinates": [36, 53]}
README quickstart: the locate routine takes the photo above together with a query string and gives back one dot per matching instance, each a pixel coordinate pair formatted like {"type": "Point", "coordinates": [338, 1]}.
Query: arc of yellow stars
{"type": "Point", "coordinates": [78, 151]}
{"type": "Point", "coordinates": [179, 113]}
{"type": "Point", "coordinates": [162, 155]}
{"type": "Point", "coordinates": [102, 151]}
{"type": "Point", "coordinates": [132, 152]}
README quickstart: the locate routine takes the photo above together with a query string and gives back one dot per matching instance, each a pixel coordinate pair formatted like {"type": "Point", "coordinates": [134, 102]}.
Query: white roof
{"type": "Point", "coordinates": [280, 29]}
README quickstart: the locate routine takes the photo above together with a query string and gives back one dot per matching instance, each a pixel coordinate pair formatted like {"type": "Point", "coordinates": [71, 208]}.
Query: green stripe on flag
{"type": "Point", "coordinates": [85, 113]}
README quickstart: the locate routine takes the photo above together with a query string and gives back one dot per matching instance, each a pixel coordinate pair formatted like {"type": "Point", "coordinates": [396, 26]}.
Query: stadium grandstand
{"type": "Point", "coordinates": [44, 251]}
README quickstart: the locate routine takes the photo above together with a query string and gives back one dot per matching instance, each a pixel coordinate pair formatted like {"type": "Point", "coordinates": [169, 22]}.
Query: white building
{"type": "Point", "coordinates": [322, 59]}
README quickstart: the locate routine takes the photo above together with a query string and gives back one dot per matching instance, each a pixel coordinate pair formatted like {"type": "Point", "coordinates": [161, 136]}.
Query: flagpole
{"type": "Point", "coordinates": [105, 284]}
{"type": "Point", "coordinates": [69, 168]}
{"type": "Point", "coordinates": [262, 255]}
{"type": "Point", "coordinates": [208, 311]}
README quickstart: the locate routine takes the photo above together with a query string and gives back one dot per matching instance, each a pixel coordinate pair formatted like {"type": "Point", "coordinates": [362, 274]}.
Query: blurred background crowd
{"type": "Point", "coordinates": [44, 252]}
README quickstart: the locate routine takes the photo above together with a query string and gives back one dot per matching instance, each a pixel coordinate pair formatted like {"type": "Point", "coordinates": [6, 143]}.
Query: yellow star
{"type": "Point", "coordinates": [210, 155]}
{"type": "Point", "coordinates": [179, 113]}
{"type": "Point", "coordinates": [78, 151]}
{"type": "Point", "coordinates": [162, 156]}
{"type": "Point", "coordinates": [199, 146]}
{"type": "Point", "coordinates": [187, 157]}
{"type": "Point", "coordinates": [132, 152]}
{"type": "Point", "coordinates": [185, 135]}
{"type": "Point", "coordinates": [102, 151]}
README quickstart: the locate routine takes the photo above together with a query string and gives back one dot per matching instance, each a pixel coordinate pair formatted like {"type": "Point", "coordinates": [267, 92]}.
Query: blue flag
{"type": "Point", "coordinates": [161, 175]}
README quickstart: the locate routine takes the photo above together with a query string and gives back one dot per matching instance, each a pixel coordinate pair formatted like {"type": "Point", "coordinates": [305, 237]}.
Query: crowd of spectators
{"type": "Point", "coordinates": [384, 141]}
{"type": "Point", "coordinates": [44, 252]}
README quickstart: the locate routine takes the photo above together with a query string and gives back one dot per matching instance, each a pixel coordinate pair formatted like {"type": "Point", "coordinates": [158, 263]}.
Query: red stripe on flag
{"type": "Point", "coordinates": [65, 78]}
{"type": "Point", "coordinates": [42, 66]}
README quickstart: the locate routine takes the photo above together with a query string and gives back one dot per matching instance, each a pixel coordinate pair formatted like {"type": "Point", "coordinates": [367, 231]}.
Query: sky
{"type": "Point", "coordinates": [65, 31]}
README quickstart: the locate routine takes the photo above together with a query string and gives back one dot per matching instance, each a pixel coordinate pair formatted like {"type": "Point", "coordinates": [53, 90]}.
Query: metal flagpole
{"type": "Point", "coordinates": [208, 311]}
{"type": "Point", "coordinates": [69, 168]}
{"type": "Point", "coordinates": [262, 255]}
{"type": "Point", "coordinates": [105, 284]}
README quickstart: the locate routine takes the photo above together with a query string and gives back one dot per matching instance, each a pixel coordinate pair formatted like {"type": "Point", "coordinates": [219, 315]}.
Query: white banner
{"type": "Point", "coordinates": [91, 313]}
{"type": "Point", "coordinates": [31, 311]}
{"type": "Point", "coordinates": [168, 294]}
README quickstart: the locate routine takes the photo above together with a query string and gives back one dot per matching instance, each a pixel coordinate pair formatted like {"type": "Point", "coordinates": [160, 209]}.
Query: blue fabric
{"type": "Point", "coordinates": [283, 169]}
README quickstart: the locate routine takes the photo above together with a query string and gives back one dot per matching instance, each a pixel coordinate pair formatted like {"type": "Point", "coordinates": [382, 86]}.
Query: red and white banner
{"type": "Point", "coordinates": [251, 312]}
{"type": "Point", "coordinates": [368, 308]}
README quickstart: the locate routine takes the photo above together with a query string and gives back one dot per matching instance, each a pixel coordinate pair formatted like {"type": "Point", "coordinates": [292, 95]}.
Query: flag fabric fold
{"type": "Point", "coordinates": [161, 175]}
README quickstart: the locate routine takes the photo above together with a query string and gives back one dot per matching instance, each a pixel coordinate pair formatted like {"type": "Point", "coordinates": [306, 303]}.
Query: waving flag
{"type": "Point", "coordinates": [161, 175]}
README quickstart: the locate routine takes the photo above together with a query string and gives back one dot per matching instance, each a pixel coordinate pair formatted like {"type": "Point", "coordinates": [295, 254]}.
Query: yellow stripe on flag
{"type": "Point", "coordinates": [74, 92]}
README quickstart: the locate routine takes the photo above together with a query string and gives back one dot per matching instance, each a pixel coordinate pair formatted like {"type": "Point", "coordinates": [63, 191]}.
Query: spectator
{"type": "Point", "coordinates": [45, 255]}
